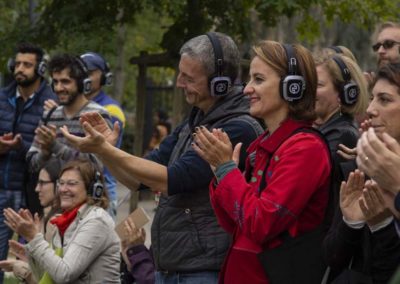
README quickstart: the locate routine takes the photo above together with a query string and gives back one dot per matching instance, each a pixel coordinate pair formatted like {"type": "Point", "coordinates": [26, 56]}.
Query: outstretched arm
{"type": "Point", "coordinates": [128, 169]}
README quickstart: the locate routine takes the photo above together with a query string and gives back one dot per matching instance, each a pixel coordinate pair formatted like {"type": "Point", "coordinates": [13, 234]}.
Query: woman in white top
{"type": "Point", "coordinates": [86, 245]}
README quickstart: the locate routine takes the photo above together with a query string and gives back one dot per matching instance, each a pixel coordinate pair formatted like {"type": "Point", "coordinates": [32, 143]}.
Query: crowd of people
{"type": "Point", "coordinates": [289, 179]}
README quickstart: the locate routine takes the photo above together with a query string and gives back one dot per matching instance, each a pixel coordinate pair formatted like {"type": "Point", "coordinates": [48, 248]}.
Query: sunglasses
{"type": "Point", "coordinates": [387, 44]}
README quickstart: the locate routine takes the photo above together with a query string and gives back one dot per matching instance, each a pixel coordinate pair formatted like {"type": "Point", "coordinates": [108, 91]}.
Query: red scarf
{"type": "Point", "coordinates": [65, 219]}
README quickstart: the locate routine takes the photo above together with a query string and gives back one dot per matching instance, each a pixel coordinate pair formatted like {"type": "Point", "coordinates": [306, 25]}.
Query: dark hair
{"type": "Point", "coordinates": [61, 62]}
{"type": "Point", "coordinates": [274, 55]}
{"type": "Point", "coordinates": [26, 47]}
{"type": "Point", "coordinates": [87, 169]}
{"type": "Point", "coordinates": [53, 168]}
{"type": "Point", "coordinates": [390, 72]}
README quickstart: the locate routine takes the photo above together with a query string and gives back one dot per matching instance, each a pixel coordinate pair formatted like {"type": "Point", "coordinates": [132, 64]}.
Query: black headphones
{"type": "Point", "coordinates": [336, 49]}
{"type": "Point", "coordinates": [349, 91]}
{"type": "Point", "coordinates": [96, 187]}
{"type": "Point", "coordinates": [84, 83]}
{"type": "Point", "coordinates": [106, 75]}
{"type": "Point", "coordinates": [219, 84]}
{"type": "Point", "coordinates": [40, 68]}
{"type": "Point", "coordinates": [292, 85]}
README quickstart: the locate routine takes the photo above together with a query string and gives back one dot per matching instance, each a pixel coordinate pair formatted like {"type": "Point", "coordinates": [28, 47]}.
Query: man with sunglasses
{"type": "Point", "coordinates": [387, 45]}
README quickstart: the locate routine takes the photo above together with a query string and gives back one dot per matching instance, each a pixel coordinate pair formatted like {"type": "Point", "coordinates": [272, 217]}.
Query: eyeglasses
{"type": "Point", "coordinates": [41, 182]}
{"type": "Point", "coordinates": [387, 44]}
{"type": "Point", "coordinates": [67, 183]}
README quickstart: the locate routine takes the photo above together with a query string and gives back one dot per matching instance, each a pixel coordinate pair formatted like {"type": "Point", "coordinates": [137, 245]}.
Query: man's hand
{"type": "Point", "coordinates": [91, 143]}
{"type": "Point", "coordinates": [9, 142]}
{"type": "Point", "coordinates": [45, 137]}
{"type": "Point", "coordinates": [49, 104]}
{"type": "Point", "coordinates": [96, 121]}
{"type": "Point", "coordinates": [380, 159]}
{"type": "Point", "coordinates": [350, 193]}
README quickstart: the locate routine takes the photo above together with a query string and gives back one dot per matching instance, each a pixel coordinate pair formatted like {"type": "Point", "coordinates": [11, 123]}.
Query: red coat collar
{"type": "Point", "coordinates": [271, 143]}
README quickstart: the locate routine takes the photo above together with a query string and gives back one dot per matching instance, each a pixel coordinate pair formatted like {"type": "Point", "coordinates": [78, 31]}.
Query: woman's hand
{"type": "Point", "coordinates": [23, 223]}
{"type": "Point", "coordinates": [215, 147]}
{"type": "Point", "coordinates": [373, 204]}
{"type": "Point", "coordinates": [7, 265]}
{"type": "Point", "coordinates": [346, 152]}
{"type": "Point", "coordinates": [350, 193]}
{"type": "Point", "coordinates": [132, 235]}
{"type": "Point", "coordinates": [18, 250]}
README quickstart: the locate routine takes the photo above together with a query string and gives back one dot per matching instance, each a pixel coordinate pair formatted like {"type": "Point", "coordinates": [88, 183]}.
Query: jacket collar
{"type": "Point", "coordinates": [232, 105]}
{"type": "Point", "coordinates": [271, 143]}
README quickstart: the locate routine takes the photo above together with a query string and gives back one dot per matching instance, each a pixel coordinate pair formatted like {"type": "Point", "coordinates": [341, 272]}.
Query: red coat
{"type": "Point", "coordinates": [293, 200]}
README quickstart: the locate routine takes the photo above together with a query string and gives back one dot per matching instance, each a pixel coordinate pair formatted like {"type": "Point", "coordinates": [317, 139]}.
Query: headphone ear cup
{"type": "Point", "coordinates": [220, 86]}
{"type": "Point", "coordinates": [108, 79]}
{"type": "Point", "coordinates": [349, 94]}
{"type": "Point", "coordinates": [41, 68]}
{"type": "Point", "coordinates": [86, 86]}
{"type": "Point", "coordinates": [96, 188]}
{"type": "Point", "coordinates": [11, 65]}
{"type": "Point", "coordinates": [292, 87]}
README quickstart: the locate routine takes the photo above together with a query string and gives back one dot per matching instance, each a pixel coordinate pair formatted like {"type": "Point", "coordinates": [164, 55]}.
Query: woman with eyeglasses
{"type": "Point", "coordinates": [85, 248]}
{"type": "Point", "coordinates": [46, 189]}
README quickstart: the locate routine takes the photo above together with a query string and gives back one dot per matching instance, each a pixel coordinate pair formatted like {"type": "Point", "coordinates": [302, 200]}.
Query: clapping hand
{"type": "Point", "coordinates": [350, 193]}
{"type": "Point", "coordinates": [373, 204]}
{"type": "Point", "coordinates": [8, 142]}
{"type": "Point", "coordinates": [215, 147]}
{"type": "Point", "coordinates": [23, 223]}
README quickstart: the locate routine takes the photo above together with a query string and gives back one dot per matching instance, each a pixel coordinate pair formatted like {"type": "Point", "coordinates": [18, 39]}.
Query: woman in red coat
{"type": "Point", "coordinates": [284, 191]}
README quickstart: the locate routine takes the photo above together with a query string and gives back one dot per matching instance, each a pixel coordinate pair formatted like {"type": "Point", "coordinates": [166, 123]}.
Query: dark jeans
{"type": "Point", "coordinates": [206, 277]}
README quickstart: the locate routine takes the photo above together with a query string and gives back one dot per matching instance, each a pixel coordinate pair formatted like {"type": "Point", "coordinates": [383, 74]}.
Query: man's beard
{"type": "Point", "coordinates": [26, 82]}
{"type": "Point", "coordinates": [71, 99]}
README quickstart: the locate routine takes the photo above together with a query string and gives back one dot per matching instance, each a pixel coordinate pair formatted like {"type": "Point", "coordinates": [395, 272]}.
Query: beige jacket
{"type": "Point", "coordinates": [91, 250]}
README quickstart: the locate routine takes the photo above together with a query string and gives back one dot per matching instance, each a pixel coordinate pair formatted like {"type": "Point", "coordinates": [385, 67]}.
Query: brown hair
{"type": "Point", "coordinates": [87, 169]}
{"type": "Point", "coordinates": [274, 55]}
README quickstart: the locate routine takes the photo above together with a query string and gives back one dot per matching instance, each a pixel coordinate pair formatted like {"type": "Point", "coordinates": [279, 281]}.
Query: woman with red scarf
{"type": "Point", "coordinates": [280, 200]}
{"type": "Point", "coordinates": [86, 247]}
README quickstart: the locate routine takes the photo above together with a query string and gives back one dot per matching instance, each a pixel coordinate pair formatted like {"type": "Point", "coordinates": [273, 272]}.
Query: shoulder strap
{"type": "Point", "coordinates": [298, 130]}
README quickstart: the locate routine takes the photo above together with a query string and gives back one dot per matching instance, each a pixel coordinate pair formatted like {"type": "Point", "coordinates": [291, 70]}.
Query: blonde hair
{"type": "Point", "coordinates": [357, 77]}
{"type": "Point", "coordinates": [344, 51]}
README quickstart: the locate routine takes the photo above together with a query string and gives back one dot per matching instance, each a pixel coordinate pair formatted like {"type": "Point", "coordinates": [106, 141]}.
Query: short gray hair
{"type": "Point", "coordinates": [200, 48]}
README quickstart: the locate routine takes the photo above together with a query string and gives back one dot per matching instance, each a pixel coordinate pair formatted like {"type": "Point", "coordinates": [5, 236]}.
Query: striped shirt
{"type": "Point", "coordinates": [61, 149]}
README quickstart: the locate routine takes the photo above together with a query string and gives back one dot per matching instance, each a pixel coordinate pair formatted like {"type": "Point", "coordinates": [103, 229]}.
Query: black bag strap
{"type": "Point", "coordinates": [310, 129]}
{"type": "Point", "coordinates": [46, 119]}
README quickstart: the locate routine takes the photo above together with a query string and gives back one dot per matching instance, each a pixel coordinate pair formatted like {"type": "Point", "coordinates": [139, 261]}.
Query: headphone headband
{"type": "Point", "coordinates": [336, 49]}
{"type": "Point", "coordinates": [349, 90]}
{"type": "Point", "coordinates": [218, 55]}
{"type": "Point", "coordinates": [219, 84]}
{"type": "Point", "coordinates": [343, 68]}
